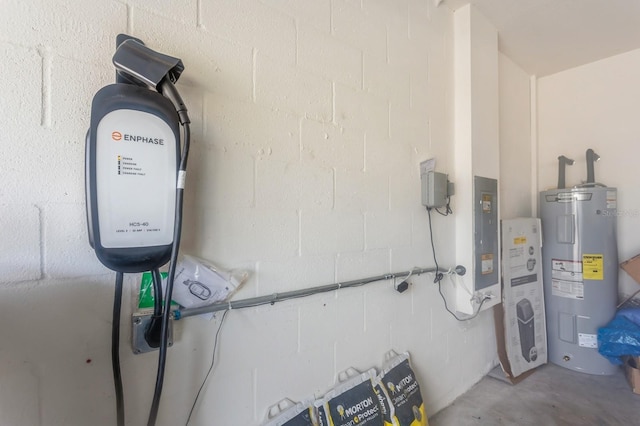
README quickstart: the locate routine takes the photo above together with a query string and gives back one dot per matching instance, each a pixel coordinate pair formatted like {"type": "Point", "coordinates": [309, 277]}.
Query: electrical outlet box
{"type": "Point", "coordinates": [434, 189]}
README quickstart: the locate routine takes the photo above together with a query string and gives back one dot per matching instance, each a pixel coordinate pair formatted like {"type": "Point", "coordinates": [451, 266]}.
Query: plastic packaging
{"type": "Point", "coordinates": [146, 297]}
{"type": "Point", "coordinates": [403, 390]}
{"type": "Point", "coordinates": [351, 402]}
{"type": "Point", "coordinates": [201, 283]}
{"type": "Point", "coordinates": [621, 337]}
{"type": "Point", "coordinates": [288, 413]}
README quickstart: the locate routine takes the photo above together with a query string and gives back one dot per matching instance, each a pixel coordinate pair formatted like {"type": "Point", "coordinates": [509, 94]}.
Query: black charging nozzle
{"type": "Point", "coordinates": [141, 66]}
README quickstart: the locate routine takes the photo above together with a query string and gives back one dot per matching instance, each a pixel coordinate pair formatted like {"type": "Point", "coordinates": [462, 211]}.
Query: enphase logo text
{"type": "Point", "coordinates": [116, 136]}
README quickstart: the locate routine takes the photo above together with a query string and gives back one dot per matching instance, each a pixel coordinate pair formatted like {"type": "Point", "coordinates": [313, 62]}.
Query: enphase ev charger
{"type": "Point", "coordinates": [135, 174]}
{"type": "Point", "coordinates": [133, 154]}
{"type": "Point", "coordinates": [132, 162]}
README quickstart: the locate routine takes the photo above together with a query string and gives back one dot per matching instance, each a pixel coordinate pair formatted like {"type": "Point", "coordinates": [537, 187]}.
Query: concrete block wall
{"type": "Point", "coordinates": [310, 119]}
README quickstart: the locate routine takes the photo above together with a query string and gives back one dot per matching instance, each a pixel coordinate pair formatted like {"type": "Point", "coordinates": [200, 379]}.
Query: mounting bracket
{"type": "Point", "coordinates": [139, 323]}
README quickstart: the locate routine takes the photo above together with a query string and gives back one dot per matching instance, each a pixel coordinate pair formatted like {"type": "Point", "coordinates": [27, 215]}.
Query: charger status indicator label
{"type": "Point", "coordinates": [128, 166]}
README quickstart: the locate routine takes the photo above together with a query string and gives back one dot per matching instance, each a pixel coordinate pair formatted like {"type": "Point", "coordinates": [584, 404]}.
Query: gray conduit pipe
{"type": "Point", "coordinates": [295, 294]}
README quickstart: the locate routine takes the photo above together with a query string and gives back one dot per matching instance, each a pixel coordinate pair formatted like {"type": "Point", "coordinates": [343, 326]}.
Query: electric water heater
{"type": "Point", "coordinates": [580, 269]}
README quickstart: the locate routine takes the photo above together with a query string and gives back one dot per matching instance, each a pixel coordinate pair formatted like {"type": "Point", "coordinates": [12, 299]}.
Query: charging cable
{"type": "Point", "coordinates": [115, 349]}
{"type": "Point", "coordinates": [167, 88]}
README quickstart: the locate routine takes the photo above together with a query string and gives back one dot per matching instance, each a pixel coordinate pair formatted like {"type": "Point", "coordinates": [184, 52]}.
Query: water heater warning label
{"type": "Point", "coordinates": [567, 279]}
{"type": "Point", "coordinates": [593, 266]}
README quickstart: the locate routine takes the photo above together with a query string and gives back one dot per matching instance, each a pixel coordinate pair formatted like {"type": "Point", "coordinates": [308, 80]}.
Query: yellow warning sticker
{"type": "Point", "coordinates": [520, 240]}
{"type": "Point", "coordinates": [593, 266]}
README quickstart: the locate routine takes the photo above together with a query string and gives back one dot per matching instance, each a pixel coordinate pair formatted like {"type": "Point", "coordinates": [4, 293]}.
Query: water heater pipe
{"type": "Point", "coordinates": [592, 157]}
{"type": "Point", "coordinates": [562, 163]}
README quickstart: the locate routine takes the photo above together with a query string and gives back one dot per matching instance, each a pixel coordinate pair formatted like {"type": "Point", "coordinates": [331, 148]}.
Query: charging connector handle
{"type": "Point", "coordinates": [145, 66]}
{"type": "Point", "coordinates": [169, 91]}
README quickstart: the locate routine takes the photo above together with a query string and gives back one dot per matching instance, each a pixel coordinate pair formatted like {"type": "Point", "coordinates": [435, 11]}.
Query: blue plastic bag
{"type": "Point", "coordinates": [621, 336]}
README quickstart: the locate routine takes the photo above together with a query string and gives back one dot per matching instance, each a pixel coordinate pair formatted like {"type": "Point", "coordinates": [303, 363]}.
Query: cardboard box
{"type": "Point", "coordinates": [631, 365]}
{"type": "Point", "coordinates": [520, 320]}
{"type": "Point", "coordinates": [632, 267]}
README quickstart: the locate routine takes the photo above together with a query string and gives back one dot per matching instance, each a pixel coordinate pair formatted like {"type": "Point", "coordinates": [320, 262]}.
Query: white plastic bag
{"type": "Point", "coordinates": [200, 283]}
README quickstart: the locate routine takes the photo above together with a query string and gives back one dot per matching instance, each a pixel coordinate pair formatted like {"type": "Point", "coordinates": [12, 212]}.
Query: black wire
{"type": "Point", "coordinates": [115, 348]}
{"type": "Point", "coordinates": [157, 292]}
{"type": "Point", "coordinates": [447, 210]}
{"type": "Point", "coordinates": [170, 92]}
{"type": "Point", "coordinates": [439, 276]}
{"type": "Point", "coordinates": [213, 358]}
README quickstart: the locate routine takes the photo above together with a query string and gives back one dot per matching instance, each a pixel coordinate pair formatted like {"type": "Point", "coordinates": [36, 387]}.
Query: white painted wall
{"type": "Point", "coordinates": [596, 106]}
{"type": "Point", "coordinates": [310, 119]}
{"type": "Point", "coordinates": [476, 145]}
{"type": "Point", "coordinates": [515, 140]}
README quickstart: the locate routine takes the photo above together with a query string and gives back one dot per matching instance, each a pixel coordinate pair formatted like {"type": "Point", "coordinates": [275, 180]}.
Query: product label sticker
{"type": "Point", "coordinates": [588, 340]}
{"type": "Point", "coordinates": [593, 266]}
{"type": "Point", "coordinates": [526, 279]}
{"type": "Point", "coordinates": [520, 240]}
{"type": "Point", "coordinates": [570, 270]}
{"type": "Point", "coordinates": [486, 203]}
{"type": "Point", "coordinates": [487, 264]}
{"type": "Point", "coordinates": [568, 289]}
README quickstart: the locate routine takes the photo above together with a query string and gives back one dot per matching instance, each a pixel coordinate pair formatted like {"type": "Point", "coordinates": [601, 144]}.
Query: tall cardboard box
{"type": "Point", "coordinates": [520, 320]}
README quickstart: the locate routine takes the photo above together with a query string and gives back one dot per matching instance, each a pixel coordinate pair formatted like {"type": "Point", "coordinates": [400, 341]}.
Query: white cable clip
{"type": "Point", "coordinates": [182, 177]}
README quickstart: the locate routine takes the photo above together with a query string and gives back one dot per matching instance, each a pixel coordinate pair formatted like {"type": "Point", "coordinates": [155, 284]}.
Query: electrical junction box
{"type": "Point", "coordinates": [434, 186]}
{"type": "Point", "coordinates": [484, 290]}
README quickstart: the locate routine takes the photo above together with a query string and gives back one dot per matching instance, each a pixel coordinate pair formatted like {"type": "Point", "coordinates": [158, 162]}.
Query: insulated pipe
{"type": "Point", "coordinates": [562, 162]}
{"type": "Point", "coordinates": [279, 297]}
{"type": "Point", "coordinates": [592, 157]}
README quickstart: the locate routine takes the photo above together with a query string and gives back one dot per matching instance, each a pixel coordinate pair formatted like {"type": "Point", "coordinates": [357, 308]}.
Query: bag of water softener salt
{"type": "Point", "coordinates": [386, 407]}
{"type": "Point", "coordinates": [403, 390]}
{"type": "Point", "coordinates": [352, 402]}
{"type": "Point", "coordinates": [289, 413]}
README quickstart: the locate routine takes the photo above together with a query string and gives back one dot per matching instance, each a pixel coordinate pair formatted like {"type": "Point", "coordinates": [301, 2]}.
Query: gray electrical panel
{"type": "Point", "coordinates": [580, 270]}
{"type": "Point", "coordinates": [485, 225]}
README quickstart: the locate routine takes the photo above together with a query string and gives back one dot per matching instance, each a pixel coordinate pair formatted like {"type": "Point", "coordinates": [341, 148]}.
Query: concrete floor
{"type": "Point", "coordinates": [550, 396]}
